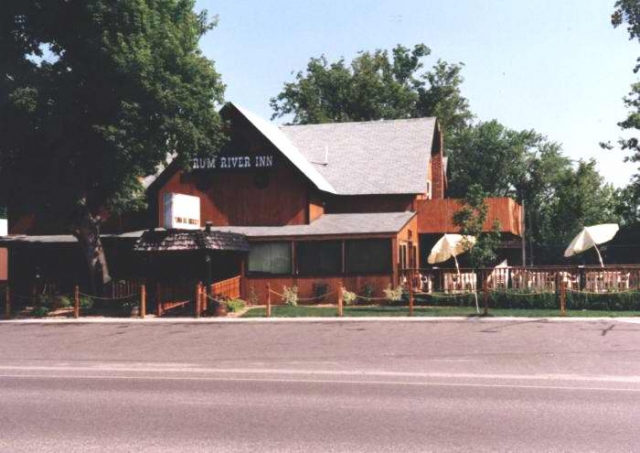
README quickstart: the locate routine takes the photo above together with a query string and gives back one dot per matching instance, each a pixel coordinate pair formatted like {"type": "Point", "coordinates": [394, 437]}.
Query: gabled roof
{"type": "Point", "coordinates": [190, 240]}
{"type": "Point", "coordinates": [358, 158]}
{"type": "Point", "coordinates": [272, 133]}
{"type": "Point", "coordinates": [374, 157]}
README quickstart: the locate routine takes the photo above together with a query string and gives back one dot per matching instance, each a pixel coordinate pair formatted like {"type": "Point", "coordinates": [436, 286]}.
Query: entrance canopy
{"type": "Point", "coordinates": [191, 240]}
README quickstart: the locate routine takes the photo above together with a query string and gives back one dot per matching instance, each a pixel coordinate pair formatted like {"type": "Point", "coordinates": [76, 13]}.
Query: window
{"type": "Point", "coordinates": [270, 258]}
{"type": "Point", "coordinates": [403, 257]}
{"type": "Point", "coordinates": [368, 256]}
{"type": "Point", "coordinates": [319, 257]}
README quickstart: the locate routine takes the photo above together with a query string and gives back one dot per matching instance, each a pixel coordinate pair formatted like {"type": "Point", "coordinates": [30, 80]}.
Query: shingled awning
{"type": "Point", "coordinates": [191, 240]}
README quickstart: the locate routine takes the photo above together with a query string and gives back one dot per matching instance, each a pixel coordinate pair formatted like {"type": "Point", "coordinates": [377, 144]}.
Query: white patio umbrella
{"type": "Point", "coordinates": [591, 236]}
{"type": "Point", "coordinates": [450, 245]}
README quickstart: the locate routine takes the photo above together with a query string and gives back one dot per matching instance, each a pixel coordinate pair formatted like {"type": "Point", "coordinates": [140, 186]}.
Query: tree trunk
{"type": "Point", "coordinates": [88, 234]}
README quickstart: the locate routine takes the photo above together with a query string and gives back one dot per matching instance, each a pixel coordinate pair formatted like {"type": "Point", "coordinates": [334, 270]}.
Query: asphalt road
{"type": "Point", "coordinates": [320, 387]}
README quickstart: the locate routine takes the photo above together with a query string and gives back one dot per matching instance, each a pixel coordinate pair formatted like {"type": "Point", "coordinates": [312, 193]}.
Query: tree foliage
{"type": "Point", "coordinates": [95, 94]}
{"type": "Point", "coordinates": [471, 219]}
{"type": "Point", "coordinates": [627, 12]}
{"type": "Point", "coordinates": [375, 85]}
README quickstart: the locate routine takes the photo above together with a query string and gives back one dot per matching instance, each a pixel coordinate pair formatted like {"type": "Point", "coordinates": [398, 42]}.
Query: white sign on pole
{"type": "Point", "coordinates": [181, 211]}
{"type": "Point", "coordinates": [4, 227]}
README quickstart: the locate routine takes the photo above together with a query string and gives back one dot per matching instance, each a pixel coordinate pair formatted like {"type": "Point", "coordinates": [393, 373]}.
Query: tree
{"type": "Point", "coordinates": [580, 198]}
{"type": "Point", "coordinates": [375, 85]}
{"type": "Point", "coordinates": [628, 12]}
{"type": "Point", "coordinates": [95, 94]}
{"type": "Point", "coordinates": [471, 219]}
{"type": "Point", "coordinates": [492, 156]}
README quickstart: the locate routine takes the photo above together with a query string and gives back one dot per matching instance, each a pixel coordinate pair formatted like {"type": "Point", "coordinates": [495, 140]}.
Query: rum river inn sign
{"type": "Point", "coordinates": [232, 162]}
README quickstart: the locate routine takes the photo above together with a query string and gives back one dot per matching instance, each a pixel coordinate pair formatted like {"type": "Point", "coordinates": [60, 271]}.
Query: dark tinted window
{"type": "Point", "coordinates": [368, 256]}
{"type": "Point", "coordinates": [319, 257]}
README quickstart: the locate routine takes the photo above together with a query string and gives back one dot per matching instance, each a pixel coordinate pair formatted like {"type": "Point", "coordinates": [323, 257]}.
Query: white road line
{"type": "Point", "coordinates": [145, 368]}
{"type": "Point", "coordinates": [316, 381]}
{"type": "Point", "coordinates": [190, 369]}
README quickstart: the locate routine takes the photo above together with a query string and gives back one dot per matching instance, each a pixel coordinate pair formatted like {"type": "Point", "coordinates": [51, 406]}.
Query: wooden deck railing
{"type": "Point", "coordinates": [615, 278]}
{"type": "Point", "coordinates": [227, 289]}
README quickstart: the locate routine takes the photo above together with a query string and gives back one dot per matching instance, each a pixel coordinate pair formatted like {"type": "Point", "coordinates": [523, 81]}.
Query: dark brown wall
{"type": "Point", "coordinates": [369, 203]}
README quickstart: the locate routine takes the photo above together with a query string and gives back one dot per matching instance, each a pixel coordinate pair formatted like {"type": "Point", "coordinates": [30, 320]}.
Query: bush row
{"type": "Point", "coordinates": [622, 301]}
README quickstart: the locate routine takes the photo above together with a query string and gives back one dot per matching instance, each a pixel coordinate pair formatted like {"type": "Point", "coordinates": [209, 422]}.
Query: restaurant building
{"type": "Point", "coordinates": [308, 206]}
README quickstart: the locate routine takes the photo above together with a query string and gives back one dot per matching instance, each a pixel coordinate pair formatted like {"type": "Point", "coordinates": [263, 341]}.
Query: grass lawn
{"type": "Point", "coordinates": [306, 311]}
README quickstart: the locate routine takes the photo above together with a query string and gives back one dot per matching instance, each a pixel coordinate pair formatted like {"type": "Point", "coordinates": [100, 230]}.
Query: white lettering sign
{"type": "Point", "coordinates": [232, 162]}
{"type": "Point", "coordinates": [181, 211]}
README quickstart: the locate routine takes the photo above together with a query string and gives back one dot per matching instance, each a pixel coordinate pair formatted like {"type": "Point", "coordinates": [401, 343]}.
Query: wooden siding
{"type": "Point", "coordinates": [236, 197]}
{"type": "Point", "coordinates": [436, 216]}
{"type": "Point", "coordinates": [369, 203]}
{"type": "Point", "coordinates": [316, 207]}
{"type": "Point", "coordinates": [305, 286]}
{"type": "Point", "coordinates": [227, 289]}
{"type": "Point", "coordinates": [4, 264]}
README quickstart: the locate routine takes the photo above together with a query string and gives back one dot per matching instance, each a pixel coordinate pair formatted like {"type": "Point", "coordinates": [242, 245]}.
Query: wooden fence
{"type": "Point", "coordinates": [226, 289]}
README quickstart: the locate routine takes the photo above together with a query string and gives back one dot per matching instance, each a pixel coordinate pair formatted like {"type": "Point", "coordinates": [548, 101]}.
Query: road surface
{"type": "Point", "coordinates": [320, 387]}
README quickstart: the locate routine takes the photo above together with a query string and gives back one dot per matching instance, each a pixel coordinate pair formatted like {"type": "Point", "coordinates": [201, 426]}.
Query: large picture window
{"type": "Point", "coordinates": [270, 258]}
{"type": "Point", "coordinates": [319, 257]}
{"type": "Point", "coordinates": [368, 256]}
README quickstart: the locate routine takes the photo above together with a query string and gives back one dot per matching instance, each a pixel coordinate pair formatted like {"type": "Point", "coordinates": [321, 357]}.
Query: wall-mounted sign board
{"type": "Point", "coordinates": [233, 162]}
{"type": "Point", "coordinates": [181, 211]}
{"type": "Point", "coordinates": [4, 227]}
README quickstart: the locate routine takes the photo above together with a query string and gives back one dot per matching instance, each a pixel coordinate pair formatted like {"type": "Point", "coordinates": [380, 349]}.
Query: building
{"type": "Point", "coordinates": [317, 205]}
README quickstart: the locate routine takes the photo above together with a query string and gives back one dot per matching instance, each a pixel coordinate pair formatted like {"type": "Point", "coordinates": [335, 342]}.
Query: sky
{"type": "Point", "coordinates": [558, 67]}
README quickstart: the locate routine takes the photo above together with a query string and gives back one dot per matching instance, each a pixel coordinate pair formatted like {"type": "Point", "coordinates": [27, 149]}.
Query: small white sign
{"type": "Point", "coordinates": [181, 211]}
{"type": "Point", "coordinates": [4, 227]}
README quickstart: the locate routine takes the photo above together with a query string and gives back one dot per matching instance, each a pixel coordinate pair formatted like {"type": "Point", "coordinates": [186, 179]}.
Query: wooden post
{"type": "Point", "coordinates": [410, 281]}
{"type": "Point", "coordinates": [485, 293]}
{"type": "Point", "coordinates": [198, 299]}
{"type": "Point", "coordinates": [340, 300]}
{"type": "Point", "coordinates": [563, 299]}
{"type": "Point", "coordinates": [268, 300]}
{"type": "Point", "coordinates": [7, 303]}
{"type": "Point", "coordinates": [76, 302]}
{"type": "Point", "coordinates": [158, 300]}
{"type": "Point", "coordinates": [143, 300]}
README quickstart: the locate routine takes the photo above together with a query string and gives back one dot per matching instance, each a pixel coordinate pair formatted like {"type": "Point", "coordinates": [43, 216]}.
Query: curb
{"type": "Point", "coordinates": [309, 320]}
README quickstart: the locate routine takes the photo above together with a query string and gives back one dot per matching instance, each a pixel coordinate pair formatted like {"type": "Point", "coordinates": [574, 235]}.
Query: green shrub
{"type": "Point", "coordinates": [614, 301]}
{"type": "Point", "coordinates": [40, 312]}
{"type": "Point", "coordinates": [393, 294]}
{"type": "Point", "coordinates": [86, 303]}
{"type": "Point", "coordinates": [522, 299]}
{"type": "Point", "coordinates": [348, 297]}
{"type": "Point", "coordinates": [448, 300]}
{"type": "Point", "coordinates": [235, 305]}
{"type": "Point", "coordinates": [290, 295]}
{"type": "Point", "coordinates": [65, 302]}
{"type": "Point", "coordinates": [254, 299]}
{"type": "Point", "coordinates": [367, 292]}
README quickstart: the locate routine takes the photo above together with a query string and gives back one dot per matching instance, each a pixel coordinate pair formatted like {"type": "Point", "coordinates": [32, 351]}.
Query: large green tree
{"type": "Point", "coordinates": [95, 94]}
{"type": "Point", "coordinates": [559, 198]}
{"type": "Point", "coordinates": [375, 85]}
{"type": "Point", "coordinates": [627, 12]}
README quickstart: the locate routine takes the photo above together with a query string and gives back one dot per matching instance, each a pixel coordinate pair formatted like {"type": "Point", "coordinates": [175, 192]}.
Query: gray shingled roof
{"type": "Point", "coordinates": [327, 225]}
{"type": "Point", "coordinates": [375, 157]}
